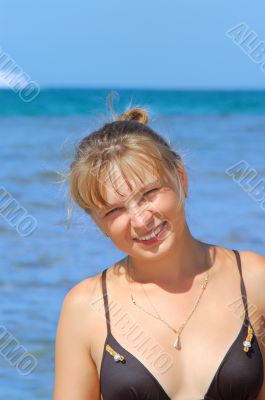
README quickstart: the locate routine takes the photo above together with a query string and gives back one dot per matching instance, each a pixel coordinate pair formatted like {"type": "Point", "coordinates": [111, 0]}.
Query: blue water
{"type": "Point", "coordinates": [211, 130]}
{"type": "Point", "coordinates": [88, 102]}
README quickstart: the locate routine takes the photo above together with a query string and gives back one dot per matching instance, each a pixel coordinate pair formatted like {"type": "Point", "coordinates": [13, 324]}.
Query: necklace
{"type": "Point", "coordinates": [178, 332]}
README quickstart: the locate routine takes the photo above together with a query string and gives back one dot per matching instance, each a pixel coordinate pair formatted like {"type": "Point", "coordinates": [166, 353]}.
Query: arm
{"type": "Point", "coordinates": [253, 264]}
{"type": "Point", "coordinates": [76, 376]}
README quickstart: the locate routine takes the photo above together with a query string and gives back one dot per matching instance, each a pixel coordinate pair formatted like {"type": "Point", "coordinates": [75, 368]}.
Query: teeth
{"type": "Point", "coordinates": [156, 232]}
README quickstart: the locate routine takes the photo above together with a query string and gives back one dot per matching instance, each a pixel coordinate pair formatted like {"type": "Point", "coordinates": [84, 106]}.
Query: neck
{"type": "Point", "coordinates": [189, 258]}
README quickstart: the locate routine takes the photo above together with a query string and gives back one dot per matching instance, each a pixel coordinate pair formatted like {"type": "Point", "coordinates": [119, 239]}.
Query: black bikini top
{"type": "Point", "coordinates": [239, 376]}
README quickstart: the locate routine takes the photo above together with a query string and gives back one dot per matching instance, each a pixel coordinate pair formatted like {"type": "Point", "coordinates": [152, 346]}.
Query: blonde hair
{"type": "Point", "coordinates": [127, 143]}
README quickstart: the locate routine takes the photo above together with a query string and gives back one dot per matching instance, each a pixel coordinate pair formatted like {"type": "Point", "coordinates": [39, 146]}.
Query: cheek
{"type": "Point", "coordinates": [168, 205]}
{"type": "Point", "coordinates": [118, 226]}
{"type": "Point", "coordinates": [120, 233]}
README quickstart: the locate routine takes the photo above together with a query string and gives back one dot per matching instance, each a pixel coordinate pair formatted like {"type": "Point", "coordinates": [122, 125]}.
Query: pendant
{"type": "Point", "coordinates": [177, 343]}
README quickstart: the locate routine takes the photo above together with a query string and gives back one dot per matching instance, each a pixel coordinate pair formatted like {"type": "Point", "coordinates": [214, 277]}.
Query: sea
{"type": "Point", "coordinates": [221, 138]}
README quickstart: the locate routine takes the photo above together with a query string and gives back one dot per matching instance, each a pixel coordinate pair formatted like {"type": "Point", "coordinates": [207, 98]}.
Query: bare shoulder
{"type": "Point", "coordinates": [87, 291]}
{"type": "Point", "coordinates": [253, 264]}
{"type": "Point", "coordinates": [79, 293]}
{"type": "Point", "coordinates": [79, 296]}
{"type": "Point", "coordinates": [253, 270]}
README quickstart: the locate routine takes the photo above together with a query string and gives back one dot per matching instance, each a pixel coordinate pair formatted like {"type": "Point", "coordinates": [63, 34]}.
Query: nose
{"type": "Point", "coordinates": [142, 218]}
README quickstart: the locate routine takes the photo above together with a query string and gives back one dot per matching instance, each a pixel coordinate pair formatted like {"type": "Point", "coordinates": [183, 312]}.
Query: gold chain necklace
{"type": "Point", "coordinates": [178, 332]}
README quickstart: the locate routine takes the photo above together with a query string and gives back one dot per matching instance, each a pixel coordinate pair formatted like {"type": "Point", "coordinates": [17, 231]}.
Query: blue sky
{"type": "Point", "coordinates": [137, 44]}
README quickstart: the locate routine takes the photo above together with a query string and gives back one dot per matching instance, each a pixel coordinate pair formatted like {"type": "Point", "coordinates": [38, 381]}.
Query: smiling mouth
{"type": "Point", "coordinates": [153, 234]}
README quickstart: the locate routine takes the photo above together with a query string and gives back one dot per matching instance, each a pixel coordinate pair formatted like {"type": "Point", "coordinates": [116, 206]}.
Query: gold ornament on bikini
{"type": "Point", "coordinates": [116, 356]}
{"type": "Point", "coordinates": [247, 342]}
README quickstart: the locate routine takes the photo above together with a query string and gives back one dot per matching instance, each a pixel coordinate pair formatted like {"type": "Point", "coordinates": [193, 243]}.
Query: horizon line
{"type": "Point", "coordinates": [127, 88]}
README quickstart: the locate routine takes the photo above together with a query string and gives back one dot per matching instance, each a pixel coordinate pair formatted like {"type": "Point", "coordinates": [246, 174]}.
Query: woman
{"type": "Point", "coordinates": [170, 320]}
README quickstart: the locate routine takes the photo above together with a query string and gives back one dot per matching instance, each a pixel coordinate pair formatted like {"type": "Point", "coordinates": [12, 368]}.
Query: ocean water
{"type": "Point", "coordinates": [213, 131]}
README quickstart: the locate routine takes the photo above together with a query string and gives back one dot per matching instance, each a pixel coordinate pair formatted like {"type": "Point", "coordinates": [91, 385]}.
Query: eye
{"type": "Point", "coordinates": [150, 191]}
{"type": "Point", "coordinates": [112, 211]}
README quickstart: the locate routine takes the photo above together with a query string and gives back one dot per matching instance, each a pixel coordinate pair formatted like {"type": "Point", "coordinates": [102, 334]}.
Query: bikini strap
{"type": "Point", "coordinates": [105, 298]}
{"type": "Point", "coordinates": [242, 285]}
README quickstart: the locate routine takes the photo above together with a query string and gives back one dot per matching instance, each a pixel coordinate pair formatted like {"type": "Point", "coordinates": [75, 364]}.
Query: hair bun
{"type": "Point", "coordinates": [134, 114]}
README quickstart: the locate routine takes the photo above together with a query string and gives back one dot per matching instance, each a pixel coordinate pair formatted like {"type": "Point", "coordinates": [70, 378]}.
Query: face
{"type": "Point", "coordinates": [146, 221]}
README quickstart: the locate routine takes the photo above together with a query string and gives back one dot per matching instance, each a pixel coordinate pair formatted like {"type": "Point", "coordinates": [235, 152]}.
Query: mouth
{"type": "Point", "coordinates": [153, 234]}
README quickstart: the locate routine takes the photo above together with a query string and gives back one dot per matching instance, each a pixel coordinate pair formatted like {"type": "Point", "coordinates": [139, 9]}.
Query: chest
{"type": "Point", "coordinates": [210, 353]}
